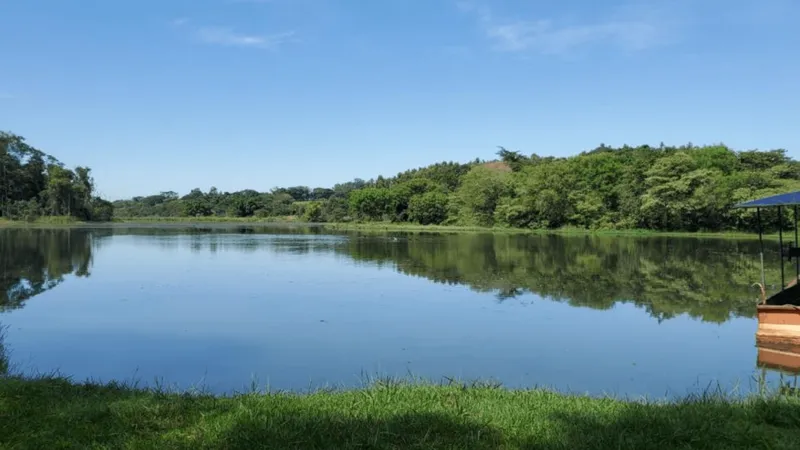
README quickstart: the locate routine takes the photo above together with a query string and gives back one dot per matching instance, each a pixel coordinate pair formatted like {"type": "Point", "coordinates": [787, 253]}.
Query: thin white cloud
{"type": "Point", "coordinates": [180, 21]}
{"type": "Point", "coordinates": [546, 37]}
{"type": "Point", "coordinates": [227, 36]}
{"type": "Point", "coordinates": [632, 29]}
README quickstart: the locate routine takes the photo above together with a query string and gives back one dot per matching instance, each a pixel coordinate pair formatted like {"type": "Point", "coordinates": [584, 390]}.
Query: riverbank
{"type": "Point", "coordinates": [52, 412]}
{"type": "Point", "coordinates": [47, 221]}
{"type": "Point", "coordinates": [405, 227]}
{"type": "Point", "coordinates": [211, 219]}
{"type": "Point", "coordinates": [63, 221]}
{"type": "Point", "coordinates": [378, 227]}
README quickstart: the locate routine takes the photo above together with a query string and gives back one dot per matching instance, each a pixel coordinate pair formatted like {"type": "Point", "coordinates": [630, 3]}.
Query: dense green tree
{"type": "Point", "coordinates": [279, 204]}
{"type": "Point", "coordinates": [479, 194]}
{"type": "Point", "coordinates": [59, 191]}
{"type": "Point", "coordinates": [445, 174]}
{"type": "Point", "coordinates": [194, 194]}
{"type": "Point", "coordinates": [670, 188]}
{"type": "Point", "coordinates": [245, 206]}
{"type": "Point", "coordinates": [402, 192]}
{"type": "Point", "coordinates": [298, 193]}
{"type": "Point", "coordinates": [34, 177]}
{"type": "Point", "coordinates": [197, 208]}
{"type": "Point", "coordinates": [429, 208]}
{"type": "Point", "coordinates": [336, 209]}
{"type": "Point", "coordinates": [102, 210]}
{"type": "Point", "coordinates": [321, 193]}
{"type": "Point", "coordinates": [372, 203]}
{"type": "Point", "coordinates": [515, 160]}
{"type": "Point", "coordinates": [33, 183]}
{"type": "Point", "coordinates": [313, 212]}
{"type": "Point", "coordinates": [26, 210]}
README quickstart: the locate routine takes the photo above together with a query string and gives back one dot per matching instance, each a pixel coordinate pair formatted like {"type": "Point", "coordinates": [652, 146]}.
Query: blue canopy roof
{"type": "Point", "coordinates": [788, 199]}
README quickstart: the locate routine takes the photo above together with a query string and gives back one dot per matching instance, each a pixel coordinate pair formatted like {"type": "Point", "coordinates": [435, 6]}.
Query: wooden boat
{"type": "Point", "coordinates": [778, 333]}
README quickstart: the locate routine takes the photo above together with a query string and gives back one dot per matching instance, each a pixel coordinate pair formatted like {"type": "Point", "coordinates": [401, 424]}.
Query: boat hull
{"type": "Point", "coordinates": [778, 327]}
{"type": "Point", "coordinates": [786, 360]}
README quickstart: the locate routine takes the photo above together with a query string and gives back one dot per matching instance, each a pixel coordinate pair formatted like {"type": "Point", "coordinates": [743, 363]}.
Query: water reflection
{"type": "Point", "coordinates": [709, 279]}
{"type": "Point", "coordinates": [35, 261]}
{"type": "Point", "coordinates": [786, 364]}
{"type": "Point", "coordinates": [299, 304]}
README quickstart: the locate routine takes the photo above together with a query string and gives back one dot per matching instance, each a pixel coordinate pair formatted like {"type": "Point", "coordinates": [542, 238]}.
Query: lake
{"type": "Point", "coordinates": [229, 308]}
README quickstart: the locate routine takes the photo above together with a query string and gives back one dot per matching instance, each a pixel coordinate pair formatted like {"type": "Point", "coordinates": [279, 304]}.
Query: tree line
{"type": "Point", "coordinates": [666, 188]}
{"type": "Point", "coordinates": [35, 184]}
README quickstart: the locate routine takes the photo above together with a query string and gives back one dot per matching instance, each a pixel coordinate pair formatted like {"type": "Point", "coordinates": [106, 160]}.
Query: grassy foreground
{"type": "Point", "coordinates": [49, 413]}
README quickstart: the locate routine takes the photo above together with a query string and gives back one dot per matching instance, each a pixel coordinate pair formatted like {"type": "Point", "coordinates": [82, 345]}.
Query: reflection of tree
{"type": "Point", "coordinates": [33, 261]}
{"type": "Point", "coordinates": [4, 359]}
{"type": "Point", "coordinates": [709, 279]}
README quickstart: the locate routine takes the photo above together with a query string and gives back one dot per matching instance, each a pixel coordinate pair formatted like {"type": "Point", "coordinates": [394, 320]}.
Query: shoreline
{"type": "Point", "coordinates": [381, 226]}
{"type": "Point", "coordinates": [45, 412]}
{"type": "Point", "coordinates": [371, 227]}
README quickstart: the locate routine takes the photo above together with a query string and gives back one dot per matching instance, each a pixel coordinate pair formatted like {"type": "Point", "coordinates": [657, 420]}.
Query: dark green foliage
{"type": "Point", "coordinates": [246, 204]}
{"type": "Point", "coordinates": [197, 208]}
{"type": "Point", "coordinates": [313, 212]}
{"type": "Point", "coordinates": [372, 203]}
{"type": "Point", "coordinates": [102, 210]}
{"type": "Point", "coordinates": [321, 194]}
{"type": "Point", "coordinates": [481, 190]}
{"type": "Point", "coordinates": [446, 174]}
{"type": "Point", "coordinates": [429, 208]}
{"type": "Point", "coordinates": [402, 193]}
{"type": "Point", "coordinates": [515, 160]}
{"type": "Point", "coordinates": [25, 210]}
{"type": "Point", "coordinates": [33, 184]}
{"type": "Point", "coordinates": [336, 209]}
{"type": "Point", "coordinates": [298, 193]}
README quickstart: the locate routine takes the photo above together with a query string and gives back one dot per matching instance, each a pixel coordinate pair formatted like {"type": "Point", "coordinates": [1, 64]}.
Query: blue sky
{"type": "Point", "coordinates": [174, 94]}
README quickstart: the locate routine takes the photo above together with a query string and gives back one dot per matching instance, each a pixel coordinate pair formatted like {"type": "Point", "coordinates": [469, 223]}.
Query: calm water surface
{"type": "Point", "coordinates": [224, 308]}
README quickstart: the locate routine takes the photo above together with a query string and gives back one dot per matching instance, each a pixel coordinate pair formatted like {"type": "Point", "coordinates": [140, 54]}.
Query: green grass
{"type": "Point", "coordinates": [381, 227]}
{"type": "Point", "coordinates": [44, 221]}
{"type": "Point", "coordinates": [59, 221]}
{"type": "Point", "coordinates": [50, 413]}
{"type": "Point", "coordinates": [210, 219]}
